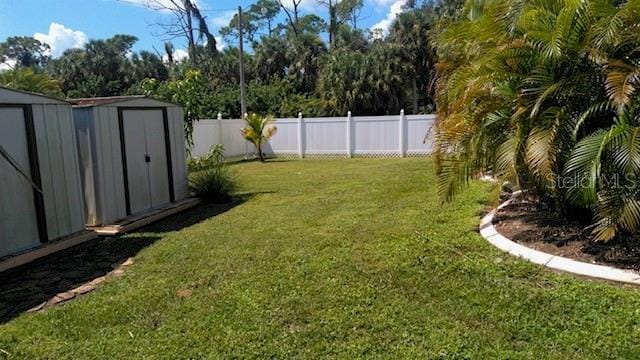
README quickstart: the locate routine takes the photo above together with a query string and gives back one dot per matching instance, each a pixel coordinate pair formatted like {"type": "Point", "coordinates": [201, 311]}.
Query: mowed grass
{"type": "Point", "coordinates": [334, 258]}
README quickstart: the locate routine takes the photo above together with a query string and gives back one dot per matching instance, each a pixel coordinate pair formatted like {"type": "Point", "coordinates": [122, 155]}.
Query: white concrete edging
{"type": "Point", "coordinates": [489, 232]}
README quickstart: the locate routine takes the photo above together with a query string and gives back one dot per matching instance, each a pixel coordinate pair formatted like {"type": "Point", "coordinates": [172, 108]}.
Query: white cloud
{"type": "Point", "coordinates": [220, 44]}
{"type": "Point", "coordinates": [61, 38]}
{"type": "Point", "coordinates": [178, 55]}
{"type": "Point", "coordinates": [7, 65]}
{"type": "Point", "coordinates": [394, 10]}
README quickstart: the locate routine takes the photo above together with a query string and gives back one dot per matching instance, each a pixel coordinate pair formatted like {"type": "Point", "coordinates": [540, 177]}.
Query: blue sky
{"type": "Point", "coordinates": [70, 23]}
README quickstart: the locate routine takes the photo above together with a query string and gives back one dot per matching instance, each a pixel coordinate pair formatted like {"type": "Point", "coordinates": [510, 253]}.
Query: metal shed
{"type": "Point", "coordinates": [40, 188]}
{"type": "Point", "coordinates": [132, 155]}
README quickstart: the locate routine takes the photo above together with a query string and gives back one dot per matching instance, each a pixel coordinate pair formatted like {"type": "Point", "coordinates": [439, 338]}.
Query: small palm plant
{"type": "Point", "coordinates": [258, 130]}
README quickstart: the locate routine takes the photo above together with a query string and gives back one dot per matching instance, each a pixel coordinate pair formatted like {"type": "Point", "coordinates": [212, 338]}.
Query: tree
{"type": "Point", "coordinates": [366, 83]}
{"type": "Point", "coordinates": [102, 67]}
{"type": "Point", "coordinates": [265, 12]}
{"type": "Point", "coordinates": [411, 30]}
{"type": "Point", "coordinates": [305, 56]}
{"type": "Point", "coordinates": [27, 79]}
{"type": "Point", "coordinates": [349, 11]}
{"type": "Point", "coordinates": [25, 50]}
{"type": "Point", "coordinates": [249, 27]}
{"type": "Point", "coordinates": [169, 51]}
{"type": "Point", "coordinates": [270, 58]}
{"type": "Point", "coordinates": [258, 129]}
{"type": "Point", "coordinates": [147, 65]}
{"type": "Point", "coordinates": [350, 38]}
{"type": "Point", "coordinates": [339, 13]}
{"type": "Point", "coordinates": [292, 12]}
{"type": "Point", "coordinates": [192, 92]}
{"type": "Point", "coordinates": [311, 25]}
{"type": "Point", "coordinates": [187, 21]}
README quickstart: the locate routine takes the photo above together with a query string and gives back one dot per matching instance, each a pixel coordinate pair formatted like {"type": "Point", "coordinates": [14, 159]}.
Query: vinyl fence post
{"type": "Point", "coordinates": [301, 144]}
{"type": "Point", "coordinates": [219, 131]}
{"type": "Point", "coordinates": [402, 138]}
{"type": "Point", "coordinates": [349, 135]}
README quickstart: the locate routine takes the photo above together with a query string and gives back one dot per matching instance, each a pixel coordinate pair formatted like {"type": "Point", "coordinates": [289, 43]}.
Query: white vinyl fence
{"type": "Point", "coordinates": [372, 136]}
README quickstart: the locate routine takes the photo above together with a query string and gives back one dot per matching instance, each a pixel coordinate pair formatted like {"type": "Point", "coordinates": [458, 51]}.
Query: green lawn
{"type": "Point", "coordinates": [335, 258]}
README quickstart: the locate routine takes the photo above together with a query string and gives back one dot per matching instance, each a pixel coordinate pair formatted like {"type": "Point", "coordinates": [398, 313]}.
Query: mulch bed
{"type": "Point", "coordinates": [534, 223]}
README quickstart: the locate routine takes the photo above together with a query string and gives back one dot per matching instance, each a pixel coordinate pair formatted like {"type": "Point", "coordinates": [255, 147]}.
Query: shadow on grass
{"type": "Point", "coordinates": [33, 284]}
{"type": "Point", "coordinates": [29, 286]}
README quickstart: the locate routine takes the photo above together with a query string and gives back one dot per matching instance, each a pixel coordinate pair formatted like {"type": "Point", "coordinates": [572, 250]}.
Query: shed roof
{"type": "Point", "coordinates": [112, 100]}
{"type": "Point", "coordinates": [16, 96]}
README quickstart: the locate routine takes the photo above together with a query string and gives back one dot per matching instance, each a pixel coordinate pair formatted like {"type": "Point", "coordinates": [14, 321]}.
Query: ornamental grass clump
{"type": "Point", "coordinates": [214, 185]}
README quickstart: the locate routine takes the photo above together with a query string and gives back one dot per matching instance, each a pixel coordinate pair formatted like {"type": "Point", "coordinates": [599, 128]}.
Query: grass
{"type": "Point", "coordinates": [334, 258]}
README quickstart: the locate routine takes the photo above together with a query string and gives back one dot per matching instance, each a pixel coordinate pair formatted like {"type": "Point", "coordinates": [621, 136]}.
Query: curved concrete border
{"type": "Point", "coordinates": [489, 232]}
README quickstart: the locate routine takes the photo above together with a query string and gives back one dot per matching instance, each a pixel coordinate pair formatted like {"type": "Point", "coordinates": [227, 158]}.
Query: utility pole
{"type": "Point", "coordinates": [243, 101]}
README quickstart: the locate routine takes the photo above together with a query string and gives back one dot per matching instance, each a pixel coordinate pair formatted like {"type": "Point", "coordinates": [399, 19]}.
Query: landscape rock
{"type": "Point", "coordinates": [61, 297]}
{"type": "Point", "coordinates": [83, 289]}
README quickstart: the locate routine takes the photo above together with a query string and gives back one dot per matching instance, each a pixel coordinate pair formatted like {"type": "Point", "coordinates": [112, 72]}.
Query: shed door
{"type": "Point", "coordinates": [18, 218]}
{"type": "Point", "coordinates": [137, 168]}
{"type": "Point", "coordinates": [146, 155]}
{"type": "Point", "coordinates": [157, 151]}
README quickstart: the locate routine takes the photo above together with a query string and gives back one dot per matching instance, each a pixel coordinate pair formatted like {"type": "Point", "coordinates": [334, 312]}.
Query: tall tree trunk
{"type": "Point", "coordinates": [414, 84]}
{"type": "Point", "coordinates": [191, 41]}
{"type": "Point", "coordinates": [333, 25]}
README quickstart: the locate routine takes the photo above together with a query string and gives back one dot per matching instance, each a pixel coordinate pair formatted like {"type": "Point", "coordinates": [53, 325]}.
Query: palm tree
{"type": "Point", "coordinates": [258, 130]}
{"type": "Point", "coordinates": [544, 91]}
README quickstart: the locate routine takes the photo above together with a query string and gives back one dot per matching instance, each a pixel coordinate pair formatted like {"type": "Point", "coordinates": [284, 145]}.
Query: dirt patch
{"type": "Point", "coordinates": [534, 223]}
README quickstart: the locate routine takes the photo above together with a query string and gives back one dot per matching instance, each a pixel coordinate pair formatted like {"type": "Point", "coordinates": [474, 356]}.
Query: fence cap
{"type": "Point", "coordinates": [401, 111]}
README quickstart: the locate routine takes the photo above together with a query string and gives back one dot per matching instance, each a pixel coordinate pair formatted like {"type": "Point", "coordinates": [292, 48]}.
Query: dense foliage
{"type": "Point", "coordinates": [290, 66]}
{"type": "Point", "coordinates": [27, 79]}
{"type": "Point", "coordinates": [544, 91]}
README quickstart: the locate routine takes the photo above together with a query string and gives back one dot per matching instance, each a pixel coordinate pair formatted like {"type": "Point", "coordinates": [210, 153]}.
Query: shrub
{"type": "Point", "coordinates": [545, 92]}
{"type": "Point", "coordinates": [214, 185]}
{"type": "Point", "coordinates": [213, 157]}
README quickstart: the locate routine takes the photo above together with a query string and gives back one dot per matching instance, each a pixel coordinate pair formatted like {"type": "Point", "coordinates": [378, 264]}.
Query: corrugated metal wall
{"type": "Point", "coordinates": [59, 169]}
{"type": "Point", "coordinates": [178, 152]}
{"type": "Point", "coordinates": [58, 166]}
{"type": "Point", "coordinates": [104, 183]}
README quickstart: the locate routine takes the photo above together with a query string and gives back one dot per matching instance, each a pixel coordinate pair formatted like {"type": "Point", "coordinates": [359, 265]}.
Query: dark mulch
{"type": "Point", "coordinates": [533, 222]}
{"type": "Point", "coordinates": [32, 284]}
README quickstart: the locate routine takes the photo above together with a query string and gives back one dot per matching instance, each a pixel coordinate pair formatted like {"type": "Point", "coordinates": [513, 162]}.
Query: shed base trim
{"type": "Point", "coordinates": [135, 222]}
{"type": "Point", "coordinates": [48, 248]}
